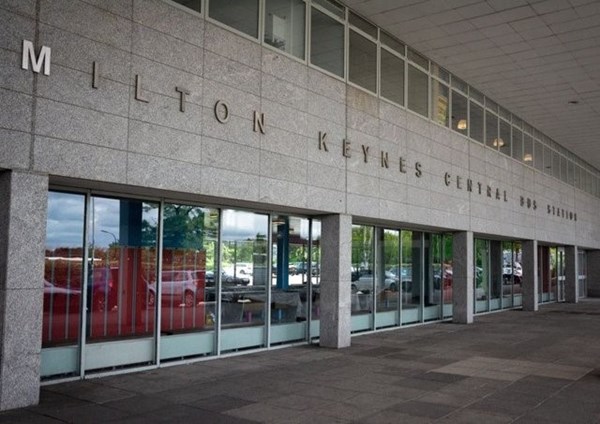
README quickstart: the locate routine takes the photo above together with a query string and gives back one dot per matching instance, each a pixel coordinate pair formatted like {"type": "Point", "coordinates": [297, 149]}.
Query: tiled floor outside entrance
{"type": "Point", "coordinates": [508, 367]}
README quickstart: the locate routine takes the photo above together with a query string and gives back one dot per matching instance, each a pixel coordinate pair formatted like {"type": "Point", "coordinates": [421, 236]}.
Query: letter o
{"type": "Point", "coordinates": [225, 108]}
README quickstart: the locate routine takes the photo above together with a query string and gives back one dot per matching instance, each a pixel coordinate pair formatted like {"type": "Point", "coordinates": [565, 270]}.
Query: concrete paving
{"type": "Point", "coordinates": [509, 367]}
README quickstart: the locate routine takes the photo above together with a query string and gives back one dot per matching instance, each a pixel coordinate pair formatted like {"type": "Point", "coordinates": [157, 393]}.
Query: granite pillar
{"type": "Point", "coordinates": [462, 277]}
{"type": "Point", "coordinates": [336, 246]}
{"type": "Point", "coordinates": [571, 275]}
{"type": "Point", "coordinates": [529, 280]}
{"type": "Point", "coordinates": [24, 198]}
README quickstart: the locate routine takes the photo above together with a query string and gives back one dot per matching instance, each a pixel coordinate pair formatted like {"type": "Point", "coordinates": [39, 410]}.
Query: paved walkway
{"type": "Point", "coordinates": [508, 367]}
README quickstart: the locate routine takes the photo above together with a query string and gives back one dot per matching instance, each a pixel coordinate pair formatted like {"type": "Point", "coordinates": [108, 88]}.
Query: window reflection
{"type": "Point", "coordinates": [459, 113]}
{"type": "Point", "coordinates": [243, 241]}
{"type": "Point", "coordinates": [327, 43]}
{"type": "Point", "coordinates": [410, 276]}
{"type": "Point", "coordinates": [392, 77]}
{"type": "Point", "coordinates": [418, 92]}
{"type": "Point", "coordinates": [362, 277]}
{"type": "Point", "coordinates": [188, 267]}
{"type": "Point", "coordinates": [284, 25]}
{"type": "Point", "coordinates": [292, 271]}
{"type": "Point", "coordinates": [238, 14]}
{"type": "Point", "coordinates": [63, 269]}
{"type": "Point", "coordinates": [362, 62]}
{"type": "Point", "coordinates": [120, 294]}
{"type": "Point", "coordinates": [476, 122]}
{"type": "Point", "coordinates": [439, 103]}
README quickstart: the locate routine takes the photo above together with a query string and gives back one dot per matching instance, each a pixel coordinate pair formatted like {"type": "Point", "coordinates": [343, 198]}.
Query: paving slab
{"type": "Point", "coordinates": [509, 367]}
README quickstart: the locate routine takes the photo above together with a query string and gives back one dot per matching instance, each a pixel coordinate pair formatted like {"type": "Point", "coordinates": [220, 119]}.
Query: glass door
{"type": "Point", "coordinates": [481, 275]}
{"type": "Point", "coordinates": [187, 284]}
{"type": "Point", "coordinates": [244, 301]}
{"type": "Point", "coordinates": [362, 277]}
{"type": "Point", "coordinates": [582, 273]}
{"type": "Point", "coordinates": [291, 278]}
{"type": "Point", "coordinates": [560, 265]}
{"type": "Point", "coordinates": [63, 288]}
{"type": "Point", "coordinates": [120, 294]}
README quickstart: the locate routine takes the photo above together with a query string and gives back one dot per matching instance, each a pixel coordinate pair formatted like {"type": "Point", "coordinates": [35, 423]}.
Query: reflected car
{"type": "Point", "coordinates": [244, 268]}
{"type": "Point", "coordinates": [104, 289]}
{"type": "Point", "coordinates": [58, 298]}
{"type": "Point", "coordinates": [226, 278]}
{"type": "Point", "coordinates": [364, 282]}
{"type": "Point", "coordinates": [514, 273]}
{"type": "Point", "coordinates": [179, 288]}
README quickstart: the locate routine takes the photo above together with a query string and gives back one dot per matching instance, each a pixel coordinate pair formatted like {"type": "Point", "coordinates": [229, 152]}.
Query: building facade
{"type": "Point", "coordinates": [185, 180]}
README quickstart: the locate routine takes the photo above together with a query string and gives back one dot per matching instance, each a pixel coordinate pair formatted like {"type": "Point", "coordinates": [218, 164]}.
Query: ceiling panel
{"type": "Point", "coordinates": [531, 56]}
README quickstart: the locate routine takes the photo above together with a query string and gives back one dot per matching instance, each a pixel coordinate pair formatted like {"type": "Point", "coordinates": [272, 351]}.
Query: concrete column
{"type": "Point", "coordinates": [336, 266]}
{"type": "Point", "coordinates": [529, 280]}
{"type": "Point", "coordinates": [593, 273]}
{"type": "Point", "coordinates": [462, 278]}
{"type": "Point", "coordinates": [571, 275]}
{"type": "Point", "coordinates": [24, 199]}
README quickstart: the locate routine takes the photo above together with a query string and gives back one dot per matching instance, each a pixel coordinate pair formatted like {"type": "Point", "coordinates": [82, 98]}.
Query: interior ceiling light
{"type": "Point", "coordinates": [462, 124]}
{"type": "Point", "coordinates": [498, 142]}
{"type": "Point", "coordinates": [573, 102]}
{"type": "Point", "coordinates": [527, 157]}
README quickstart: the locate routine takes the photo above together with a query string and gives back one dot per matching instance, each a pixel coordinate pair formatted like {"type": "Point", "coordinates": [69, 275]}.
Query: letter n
{"type": "Point", "coordinates": [36, 61]}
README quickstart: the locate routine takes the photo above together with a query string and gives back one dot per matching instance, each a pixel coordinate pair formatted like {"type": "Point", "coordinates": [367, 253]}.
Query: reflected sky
{"type": "Point", "coordinates": [239, 225]}
{"type": "Point", "coordinates": [65, 220]}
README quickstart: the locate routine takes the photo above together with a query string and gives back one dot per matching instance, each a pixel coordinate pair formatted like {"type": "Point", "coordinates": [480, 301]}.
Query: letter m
{"type": "Point", "coordinates": [36, 61]}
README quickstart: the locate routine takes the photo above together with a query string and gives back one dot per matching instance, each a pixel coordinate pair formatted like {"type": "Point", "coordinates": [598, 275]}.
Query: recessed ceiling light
{"type": "Point", "coordinates": [573, 102]}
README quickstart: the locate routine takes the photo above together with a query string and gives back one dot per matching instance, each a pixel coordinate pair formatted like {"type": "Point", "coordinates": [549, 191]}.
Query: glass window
{"type": "Point", "coordinates": [547, 160]}
{"type": "Point", "coordinates": [332, 6]}
{"type": "Point", "coordinates": [362, 62]}
{"type": "Point", "coordinates": [555, 164]}
{"type": "Point", "coordinates": [563, 168]}
{"type": "Point", "coordinates": [504, 141]}
{"type": "Point", "coordinates": [392, 77]}
{"type": "Point", "coordinates": [538, 156]}
{"type": "Point", "coordinates": [460, 84]}
{"type": "Point", "coordinates": [238, 14]}
{"type": "Point", "coordinates": [419, 59]}
{"type": "Point", "coordinates": [476, 95]}
{"type": "Point", "coordinates": [418, 92]}
{"type": "Point", "coordinates": [476, 122]}
{"type": "Point", "coordinates": [362, 24]}
{"type": "Point", "coordinates": [517, 144]}
{"type": "Point", "coordinates": [504, 113]}
{"type": "Point", "coordinates": [440, 112]}
{"type": "Point", "coordinates": [388, 278]}
{"type": "Point", "coordinates": [188, 269]}
{"type": "Point", "coordinates": [192, 4]}
{"type": "Point", "coordinates": [243, 241]}
{"type": "Point", "coordinates": [392, 43]}
{"type": "Point", "coordinates": [327, 43]}
{"type": "Point", "coordinates": [292, 273]}
{"type": "Point", "coordinates": [459, 113]}
{"type": "Point", "coordinates": [528, 149]}
{"type": "Point", "coordinates": [284, 25]}
{"type": "Point", "coordinates": [122, 271]}
{"type": "Point", "coordinates": [491, 105]}
{"type": "Point", "coordinates": [440, 72]}
{"type": "Point", "coordinates": [362, 276]}
{"type": "Point", "coordinates": [570, 173]}
{"type": "Point", "coordinates": [491, 130]}
{"type": "Point", "coordinates": [432, 283]}
{"type": "Point", "coordinates": [411, 276]}
{"type": "Point", "coordinates": [482, 275]}
{"type": "Point", "coordinates": [63, 269]}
